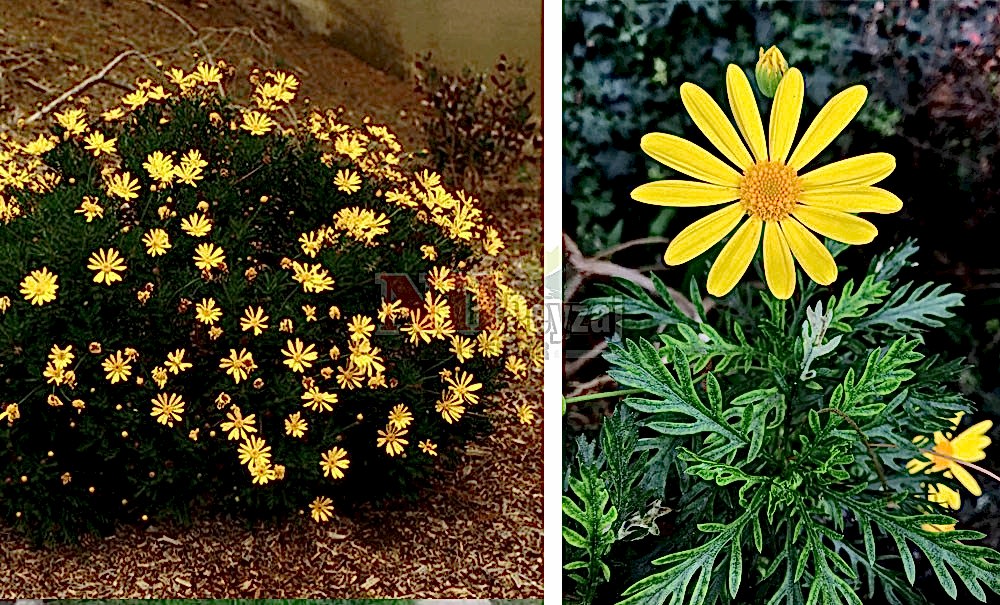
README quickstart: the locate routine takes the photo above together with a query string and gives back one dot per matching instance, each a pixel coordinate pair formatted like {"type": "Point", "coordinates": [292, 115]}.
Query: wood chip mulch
{"type": "Point", "coordinates": [477, 533]}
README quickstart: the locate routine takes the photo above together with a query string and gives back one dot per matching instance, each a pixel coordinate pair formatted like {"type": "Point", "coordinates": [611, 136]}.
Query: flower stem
{"type": "Point", "coordinates": [602, 395]}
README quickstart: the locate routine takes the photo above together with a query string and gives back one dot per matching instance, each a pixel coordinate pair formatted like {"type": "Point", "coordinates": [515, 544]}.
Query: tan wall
{"type": "Point", "coordinates": [388, 33]}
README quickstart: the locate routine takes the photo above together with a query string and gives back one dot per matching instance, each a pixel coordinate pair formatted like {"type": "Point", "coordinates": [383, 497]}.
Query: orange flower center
{"type": "Point", "coordinates": [940, 462]}
{"type": "Point", "coordinates": [769, 190]}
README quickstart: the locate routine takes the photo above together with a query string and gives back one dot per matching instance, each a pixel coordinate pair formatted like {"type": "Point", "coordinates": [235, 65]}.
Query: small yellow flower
{"type": "Point", "coordinates": [207, 312]}
{"type": "Point", "coordinates": [392, 440]}
{"type": "Point", "coordinates": [450, 407]}
{"type": "Point", "coordinates": [254, 451]}
{"type": "Point", "coordinates": [300, 357]}
{"type": "Point", "coordinates": [321, 509]}
{"type": "Point", "coordinates": [254, 319]}
{"type": "Point", "coordinates": [40, 286]}
{"type": "Point", "coordinates": [333, 462]}
{"type": "Point", "coordinates": [428, 447]}
{"type": "Point", "coordinates": [157, 242]}
{"type": "Point", "coordinates": [117, 367]}
{"type": "Point", "coordinates": [73, 120]}
{"type": "Point", "coordinates": [400, 416]}
{"type": "Point", "coordinates": [347, 181]}
{"type": "Point", "coordinates": [295, 425]}
{"type": "Point", "coordinates": [61, 358]}
{"type": "Point", "coordinates": [462, 387]}
{"type": "Point", "coordinates": [257, 123]}
{"type": "Point", "coordinates": [525, 414]}
{"type": "Point", "coordinates": [239, 427]}
{"type": "Point", "coordinates": [167, 408]}
{"type": "Point", "coordinates": [429, 252]}
{"type": "Point", "coordinates": [98, 144]}
{"type": "Point", "coordinates": [310, 312]}
{"type": "Point", "coordinates": [175, 362]}
{"type": "Point", "coordinates": [208, 256]}
{"type": "Point", "coordinates": [462, 348]}
{"type": "Point", "coordinates": [123, 186]}
{"type": "Point", "coordinates": [238, 365]}
{"type": "Point", "coordinates": [947, 453]}
{"type": "Point", "coordinates": [160, 167]}
{"type": "Point", "coordinates": [196, 225]}
{"type": "Point", "coordinates": [159, 375]}
{"type": "Point", "coordinates": [360, 327]}
{"type": "Point", "coordinates": [90, 209]}
{"type": "Point", "coordinates": [108, 265]}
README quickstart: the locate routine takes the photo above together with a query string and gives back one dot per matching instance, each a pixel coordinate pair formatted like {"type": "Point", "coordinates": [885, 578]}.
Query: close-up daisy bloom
{"type": "Point", "coordinates": [40, 286]}
{"type": "Point", "coordinates": [763, 188]}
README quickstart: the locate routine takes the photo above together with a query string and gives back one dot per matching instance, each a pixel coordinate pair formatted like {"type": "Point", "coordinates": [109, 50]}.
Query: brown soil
{"type": "Point", "coordinates": [476, 532]}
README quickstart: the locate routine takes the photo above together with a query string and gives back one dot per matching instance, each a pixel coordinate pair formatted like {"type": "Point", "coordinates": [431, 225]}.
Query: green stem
{"type": "Point", "coordinates": [602, 395]}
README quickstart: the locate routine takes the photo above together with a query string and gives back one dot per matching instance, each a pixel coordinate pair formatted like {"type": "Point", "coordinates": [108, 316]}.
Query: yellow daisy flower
{"type": "Point", "coordinates": [239, 426]}
{"type": "Point", "coordinates": [117, 367]}
{"type": "Point", "coordinates": [167, 408]}
{"type": "Point", "coordinates": [96, 143]}
{"type": "Point", "coordinates": [40, 286]}
{"type": "Point", "coordinates": [321, 509]}
{"type": "Point", "coordinates": [108, 265]}
{"type": "Point", "coordinates": [175, 362]}
{"type": "Point", "coordinates": [207, 312]}
{"type": "Point", "coordinates": [196, 225]}
{"type": "Point", "coordinates": [347, 181]}
{"type": "Point", "coordinates": [967, 446]}
{"type": "Point", "coordinates": [254, 451]}
{"type": "Point", "coordinates": [254, 320]}
{"type": "Point", "coordinates": [400, 416]}
{"type": "Point", "coordinates": [767, 188]}
{"type": "Point", "coordinates": [123, 186]}
{"type": "Point", "coordinates": [450, 407]}
{"type": "Point", "coordinates": [300, 357]}
{"type": "Point", "coordinates": [392, 440]}
{"type": "Point", "coordinates": [428, 447]}
{"type": "Point", "coordinates": [333, 461]}
{"type": "Point", "coordinates": [295, 425]}
{"type": "Point", "coordinates": [257, 123]}
{"type": "Point", "coordinates": [238, 365]}
{"type": "Point", "coordinates": [208, 256]}
{"type": "Point", "coordinates": [157, 242]}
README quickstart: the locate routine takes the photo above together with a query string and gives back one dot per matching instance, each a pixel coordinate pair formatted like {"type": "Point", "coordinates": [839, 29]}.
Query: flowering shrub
{"type": "Point", "coordinates": [802, 445]}
{"type": "Point", "coordinates": [207, 304]}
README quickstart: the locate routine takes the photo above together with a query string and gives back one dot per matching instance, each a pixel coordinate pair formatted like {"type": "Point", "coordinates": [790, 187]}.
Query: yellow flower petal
{"type": "Point", "coordinates": [970, 444]}
{"type": "Point", "coordinates": [967, 480]}
{"type": "Point", "coordinates": [859, 171]}
{"type": "Point", "coordinates": [684, 156]}
{"type": "Point", "coordinates": [785, 115]}
{"type": "Point", "coordinates": [703, 234]}
{"type": "Point", "coordinates": [734, 258]}
{"type": "Point", "coordinates": [811, 254]}
{"type": "Point", "coordinates": [684, 193]}
{"type": "Point", "coordinates": [836, 225]}
{"type": "Point", "coordinates": [829, 122]}
{"type": "Point", "coordinates": [710, 119]}
{"type": "Point", "coordinates": [853, 199]}
{"type": "Point", "coordinates": [779, 270]}
{"type": "Point", "coordinates": [916, 465]}
{"type": "Point", "coordinates": [744, 106]}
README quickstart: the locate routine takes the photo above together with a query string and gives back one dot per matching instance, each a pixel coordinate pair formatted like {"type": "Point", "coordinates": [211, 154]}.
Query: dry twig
{"type": "Point", "coordinates": [82, 85]}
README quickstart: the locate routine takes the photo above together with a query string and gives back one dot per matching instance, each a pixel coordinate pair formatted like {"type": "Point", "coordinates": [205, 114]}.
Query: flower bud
{"type": "Point", "coordinates": [771, 67]}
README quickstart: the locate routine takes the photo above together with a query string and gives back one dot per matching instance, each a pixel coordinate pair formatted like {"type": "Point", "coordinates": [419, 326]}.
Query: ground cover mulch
{"type": "Point", "coordinates": [474, 532]}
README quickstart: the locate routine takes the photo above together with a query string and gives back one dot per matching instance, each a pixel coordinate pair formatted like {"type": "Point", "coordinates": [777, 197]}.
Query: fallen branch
{"type": "Point", "coordinates": [82, 85]}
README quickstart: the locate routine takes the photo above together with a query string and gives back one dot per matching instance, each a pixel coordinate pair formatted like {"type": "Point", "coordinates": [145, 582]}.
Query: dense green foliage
{"type": "Point", "coordinates": [778, 433]}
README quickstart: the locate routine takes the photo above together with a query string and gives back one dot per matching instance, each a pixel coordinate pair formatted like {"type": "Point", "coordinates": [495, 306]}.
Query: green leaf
{"type": "Point", "coordinates": [637, 309]}
{"type": "Point", "coordinates": [855, 303]}
{"type": "Point", "coordinates": [672, 585]}
{"type": "Point", "coordinates": [595, 518]}
{"type": "Point", "coordinates": [975, 566]}
{"type": "Point", "coordinates": [638, 365]}
{"type": "Point", "coordinates": [920, 310]}
{"type": "Point", "coordinates": [623, 468]}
